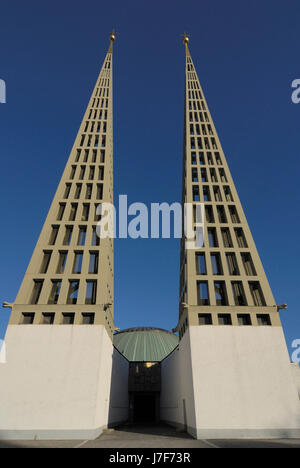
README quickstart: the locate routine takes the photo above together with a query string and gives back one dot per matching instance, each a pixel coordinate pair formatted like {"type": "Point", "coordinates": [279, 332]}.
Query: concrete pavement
{"type": "Point", "coordinates": [140, 436]}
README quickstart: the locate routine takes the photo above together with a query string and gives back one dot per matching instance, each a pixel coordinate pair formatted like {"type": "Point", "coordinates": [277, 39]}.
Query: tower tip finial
{"type": "Point", "coordinates": [112, 36]}
{"type": "Point", "coordinates": [186, 38]}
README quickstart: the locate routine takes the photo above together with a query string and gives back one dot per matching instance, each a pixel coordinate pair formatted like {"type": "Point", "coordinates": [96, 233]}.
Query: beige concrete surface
{"type": "Point", "coordinates": [207, 180]}
{"type": "Point", "coordinates": [152, 437]}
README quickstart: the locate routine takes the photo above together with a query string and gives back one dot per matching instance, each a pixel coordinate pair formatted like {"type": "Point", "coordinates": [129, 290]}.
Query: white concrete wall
{"type": "Point", "coordinates": [243, 383]}
{"type": "Point", "coordinates": [177, 395]}
{"type": "Point", "coordinates": [170, 390]}
{"type": "Point", "coordinates": [296, 376]}
{"type": "Point", "coordinates": [56, 381]}
{"type": "Point", "coordinates": [240, 381]}
{"type": "Point", "coordinates": [118, 405]}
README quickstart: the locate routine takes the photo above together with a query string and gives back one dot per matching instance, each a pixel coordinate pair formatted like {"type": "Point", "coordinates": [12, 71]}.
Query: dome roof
{"type": "Point", "coordinates": [145, 343]}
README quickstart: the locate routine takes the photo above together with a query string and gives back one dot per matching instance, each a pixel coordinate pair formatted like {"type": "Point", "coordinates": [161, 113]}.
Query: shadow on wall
{"type": "Point", "coordinates": [119, 403]}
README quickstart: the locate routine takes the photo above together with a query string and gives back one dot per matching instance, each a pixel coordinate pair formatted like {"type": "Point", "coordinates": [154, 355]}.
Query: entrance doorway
{"type": "Point", "coordinates": [145, 408]}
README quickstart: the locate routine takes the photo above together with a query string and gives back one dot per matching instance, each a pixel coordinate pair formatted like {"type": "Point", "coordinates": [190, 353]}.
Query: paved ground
{"type": "Point", "coordinates": [153, 437]}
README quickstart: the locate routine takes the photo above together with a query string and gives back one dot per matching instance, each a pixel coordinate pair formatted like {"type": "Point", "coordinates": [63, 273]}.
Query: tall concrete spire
{"type": "Point", "coordinates": [225, 276]}
{"type": "Point", "coordinates": [70, 275]}
{"type": "Point", "coordinates": [59, 337]}
{"type": "Point", "coordinates": [231, 374]}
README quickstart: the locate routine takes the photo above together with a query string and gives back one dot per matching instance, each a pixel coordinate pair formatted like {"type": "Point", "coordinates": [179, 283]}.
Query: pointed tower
{"type": "Point", "coordinates": [226, 274]}
{"type": "Point", "coordinates": [59, 339]}
{"type": "Point", "coordinates": [69, 279]}
{"type": "Point", "coordinates": [233, 369]}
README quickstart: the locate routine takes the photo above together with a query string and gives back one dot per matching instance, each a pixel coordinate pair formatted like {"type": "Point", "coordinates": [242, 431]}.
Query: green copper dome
{"type": "Point", "coordinates": [145, 343]}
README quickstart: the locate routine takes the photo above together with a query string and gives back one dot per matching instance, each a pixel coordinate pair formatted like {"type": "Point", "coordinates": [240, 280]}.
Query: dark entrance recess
{"type": "Point", "coordinates": [144, 408]}
{"type": "Point", "coordinates": [144, 392]}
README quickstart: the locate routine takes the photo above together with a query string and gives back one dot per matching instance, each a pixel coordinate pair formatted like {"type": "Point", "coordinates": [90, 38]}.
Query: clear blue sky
{"type": "Point", "coordinates": [246, 54]}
